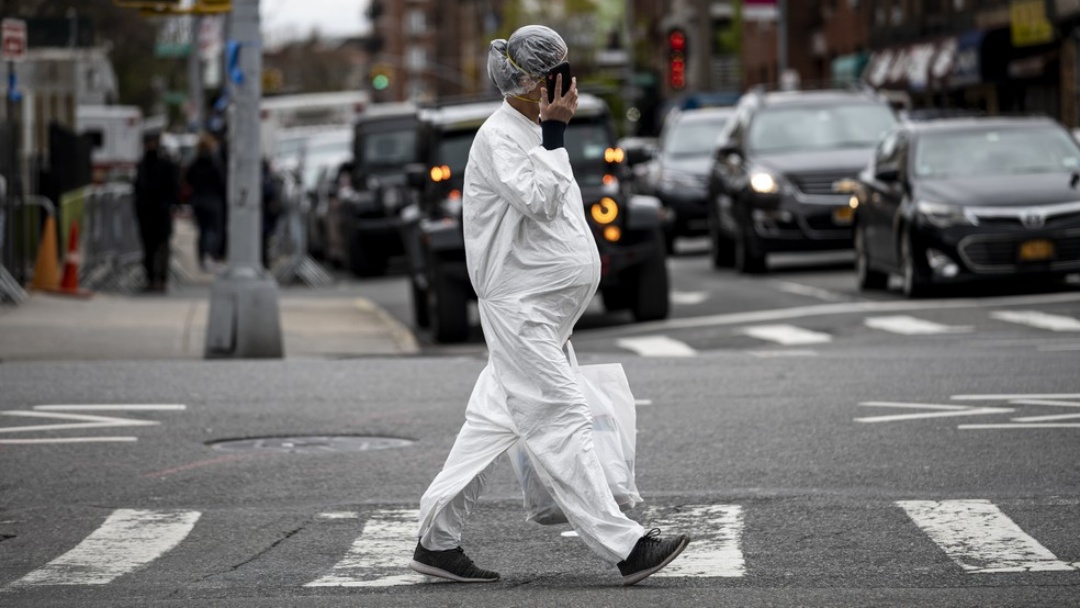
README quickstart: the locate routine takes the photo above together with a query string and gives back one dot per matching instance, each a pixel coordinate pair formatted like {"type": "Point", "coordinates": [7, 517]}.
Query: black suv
{"type": "Point", "coordinates": [627, 229]}
{"type": "Point", "coordinates": [784, 171]}
{"type": "Point", "coordinates": [384, 144]}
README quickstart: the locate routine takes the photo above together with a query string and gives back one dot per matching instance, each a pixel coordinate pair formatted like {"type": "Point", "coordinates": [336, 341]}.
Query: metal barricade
{"type": "Point", "coordinates": [110, 246]}
{"type": "Point", "coordinates": [20, 230]}
{"type": "Point", "coordinates": [288, 245]}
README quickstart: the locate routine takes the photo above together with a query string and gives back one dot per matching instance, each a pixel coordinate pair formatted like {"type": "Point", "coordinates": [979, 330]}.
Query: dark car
{"type": "Point", "coordinates": [982, 198]}
{"type": "Point", "coordinates": [369, 206]}
{"type": "Point", "coordinates": [682, 168]}
{"type": "Point", "coordinates": [627, 228]}
{"type": "Point", "coordinates": [784, 170]}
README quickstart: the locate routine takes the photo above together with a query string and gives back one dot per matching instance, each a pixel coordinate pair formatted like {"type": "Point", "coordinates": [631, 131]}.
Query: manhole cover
{"type": "Point", "coordinates": [311, 444]}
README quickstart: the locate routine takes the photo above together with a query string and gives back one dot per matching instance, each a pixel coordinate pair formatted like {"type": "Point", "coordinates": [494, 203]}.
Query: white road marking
{"type": "Point", "coordinates": [1058, 347]}
{"type": "Point", "coordinates": [128, 540]}
{"type": "Point", "coordinates": [1049, 402]}
{"type": "Point", "coordinates": [807, 290]}
{"type": "Point", "coordinates": [1046, 418]}
{"type": "Point", "coordinates": [68, 440]}
{"type": "Point", "coordinates": [1007, 397]}
{"type": "Point", "coordinates": [569, 534]}
{"type": "Point", "coordinates": [340, 515]}
{"type": "Point", "coordinates": [941, 411]}
{"type": "Point", "coordinates": [379, 555]}
{"type": "Point", "coordinates": [913, 326]}
{"type": "Point", "coordinates": [1018, 425]}
{"type": "Point", "coordinates": [104, 408]}
{"type": "Point", "coordinates": [656, 346]}
{"type": "Point", "coordinates": [89, 422]}
{"type": "Point", "coordinates": [689, 298]}
{"type": "Point", "coordinates": [1035, 318]}
{"type": "Point", "coordinates": [767, 354]}
{"type": "Point", "coordinates": [789, 335]}
{"type": "Point", "coordinates": [716, 539]}
{"type": "Point", "coordinates": [642, 402]}
{"type": "Point", "coordinates": [820, 310]}
{"type": "Point", "coordinates": [979, 537]}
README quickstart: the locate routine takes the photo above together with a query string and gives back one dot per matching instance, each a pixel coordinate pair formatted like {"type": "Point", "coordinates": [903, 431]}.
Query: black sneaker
{"type": "Point", "coordinates": [451, 564]}
{"type": "Point", "coordinates": [650, 554]}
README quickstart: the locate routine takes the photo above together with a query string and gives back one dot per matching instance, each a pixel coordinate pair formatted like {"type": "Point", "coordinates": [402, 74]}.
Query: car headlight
{"type": "Point", "coordinates": [942, 215]}
{"type": "Point", "coordinates": [763, 182]}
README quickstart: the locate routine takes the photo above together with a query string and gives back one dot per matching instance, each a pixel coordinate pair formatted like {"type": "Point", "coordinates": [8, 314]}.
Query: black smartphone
{"type": "Point", "coordinates": [564, 69]}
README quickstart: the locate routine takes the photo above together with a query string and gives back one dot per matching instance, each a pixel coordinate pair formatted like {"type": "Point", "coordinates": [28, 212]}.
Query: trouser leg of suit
{"type": "Point", "coordinates": [486, 434]}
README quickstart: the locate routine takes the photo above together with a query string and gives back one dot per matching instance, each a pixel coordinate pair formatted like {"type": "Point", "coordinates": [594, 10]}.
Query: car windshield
{"type": "Point", "coordinates": [454, 150]}
{"type": "Point", "coordinates": [585, 143]}
{"type": "Point", "coordinates": [389, 149]}
{"type": "Point", "coordinates": [693, 138]}
{"type": "Point", "coordinates": [819, 127]}
{"type": "Point", "coordinates": [995, 152]}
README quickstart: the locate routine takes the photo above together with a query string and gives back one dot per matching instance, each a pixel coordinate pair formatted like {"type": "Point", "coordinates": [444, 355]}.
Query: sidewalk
{"type": "Point", "coordinates": [314, 324]}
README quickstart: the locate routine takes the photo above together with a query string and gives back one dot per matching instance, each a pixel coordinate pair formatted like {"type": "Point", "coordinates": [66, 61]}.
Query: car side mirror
{"type": "Point", "coordinates": [638, 155]}
{"type": "Point", "coordinates": [725, 150]}
{"type": "Point", "coordinates": [415, 176]}
{"type": "Point", "coordinates": [887, 173]}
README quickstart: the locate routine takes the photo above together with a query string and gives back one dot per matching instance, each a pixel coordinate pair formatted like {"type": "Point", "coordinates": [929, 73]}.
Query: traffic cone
{"type": "Point", "coordinates": [69, 285]}
{"type": "Point", "coordinates": [47, 267]}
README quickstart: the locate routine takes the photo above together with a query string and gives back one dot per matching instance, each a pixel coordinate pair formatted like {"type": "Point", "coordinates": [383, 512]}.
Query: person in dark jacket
{"type": "Point", "coordinates": [157, 192]}
{"type": "Point", "coordinates": [206, 178]}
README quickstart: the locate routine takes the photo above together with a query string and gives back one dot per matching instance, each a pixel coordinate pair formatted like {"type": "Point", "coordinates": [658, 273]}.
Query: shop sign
{"type": "Point", "coordinates": [1029, 24]}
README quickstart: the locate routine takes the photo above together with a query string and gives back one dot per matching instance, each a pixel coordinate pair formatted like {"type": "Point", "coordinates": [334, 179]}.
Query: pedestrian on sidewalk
{"type": "Point", "coordinates": [206, 178]}
{"type": "Point", "coordinates": [157, 195]}
{"type": "Point", "coordinates": [534, 265]}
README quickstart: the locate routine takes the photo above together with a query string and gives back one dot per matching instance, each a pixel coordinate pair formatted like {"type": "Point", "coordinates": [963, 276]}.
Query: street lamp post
{"type": "Point", "coordinates": [244, 320]}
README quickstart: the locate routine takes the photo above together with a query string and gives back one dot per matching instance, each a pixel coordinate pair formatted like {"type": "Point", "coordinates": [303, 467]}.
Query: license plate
{"type": "Point", "coordinates": [843, 215]}
{"type": "Point", "coordinates": [1036, 251]}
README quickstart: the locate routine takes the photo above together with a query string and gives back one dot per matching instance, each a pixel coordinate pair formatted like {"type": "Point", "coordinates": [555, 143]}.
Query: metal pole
{"type": "Point", "coordinates": [195, 76]}
{"type": "Point", "coordinates": [244, 318]}
{"type": "Point", "coordinates": [629, 92]}
{"type": "Point", "coordinates": [781, 39]}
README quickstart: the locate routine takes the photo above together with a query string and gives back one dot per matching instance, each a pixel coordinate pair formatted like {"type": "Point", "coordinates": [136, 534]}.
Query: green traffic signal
{"type": "Point", "coordinates": [380, 82]}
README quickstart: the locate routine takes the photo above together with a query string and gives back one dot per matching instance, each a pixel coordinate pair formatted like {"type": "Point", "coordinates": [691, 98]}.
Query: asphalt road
{"type": "Point", "coordinates": [874, 467]}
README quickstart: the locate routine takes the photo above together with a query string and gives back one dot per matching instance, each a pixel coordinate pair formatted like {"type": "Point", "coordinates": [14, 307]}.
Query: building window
{"type": "Point", "coordinates": [416, 22]}
{"type": "Point", "coordinates": [416, 59]}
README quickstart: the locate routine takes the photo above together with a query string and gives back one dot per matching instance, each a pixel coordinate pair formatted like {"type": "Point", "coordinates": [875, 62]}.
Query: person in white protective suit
{"type": "Point", "coordinates": [535, 267]}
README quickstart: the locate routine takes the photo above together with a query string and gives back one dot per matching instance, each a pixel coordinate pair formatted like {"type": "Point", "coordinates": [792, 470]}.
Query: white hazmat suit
{"type": "Point", "coordinates": [535, 267]}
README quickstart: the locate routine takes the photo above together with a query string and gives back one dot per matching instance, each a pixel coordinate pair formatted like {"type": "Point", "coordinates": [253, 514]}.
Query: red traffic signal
{"type": "Point", "coordinates": [677, 59]}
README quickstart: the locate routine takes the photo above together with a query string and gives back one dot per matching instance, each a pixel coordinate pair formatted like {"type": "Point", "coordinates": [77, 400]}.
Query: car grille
{"type": "Point", "coordinates": [1013, 219]}
{"type": "Point", "coordinates": [819, 184]}
{"type": "Point", "coordinates": [998, 254]}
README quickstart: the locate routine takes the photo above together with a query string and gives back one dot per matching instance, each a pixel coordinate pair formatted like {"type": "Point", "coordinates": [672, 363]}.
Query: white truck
{"type": "Point", "coordinates": [116, 135]}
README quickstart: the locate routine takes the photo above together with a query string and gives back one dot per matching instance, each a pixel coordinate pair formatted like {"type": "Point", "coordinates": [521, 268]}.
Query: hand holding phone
{"type": "Point", "coordinates": [551, 80]}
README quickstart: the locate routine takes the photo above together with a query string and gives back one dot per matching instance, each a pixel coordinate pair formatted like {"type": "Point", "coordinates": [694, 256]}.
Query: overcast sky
{"type": "Point", "coordinates": [295, 18]}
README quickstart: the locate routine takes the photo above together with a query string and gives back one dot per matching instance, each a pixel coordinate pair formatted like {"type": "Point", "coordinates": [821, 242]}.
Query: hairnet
{"type": "Point", "coordinates": [517, 64]}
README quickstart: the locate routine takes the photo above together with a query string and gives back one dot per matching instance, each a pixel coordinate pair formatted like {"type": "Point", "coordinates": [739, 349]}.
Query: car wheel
{"type": "Point", "coordinates": [915, 284]}
{"type": "Point", "coordinates": [421, 315]}
{"type": "Point", "coordinates": [651, 297]}
{"type": "Point", "coordinates": [748, 258]}
{"type": "Point", "coordinates": [868, 278]}
{"type": "Point", "coordinates": [363, 262]}
{"type": "Point", "coordinates": [448, 308]}
{"type": "Point", "coordinates": [721, 249]}
{"type": "Point", "coordinates": [615, 298]}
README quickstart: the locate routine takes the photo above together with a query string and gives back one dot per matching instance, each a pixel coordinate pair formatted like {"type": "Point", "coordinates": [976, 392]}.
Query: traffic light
{"type": "Point", "coordinates": [380, 77]}
{"type": "Point", "coordinates": [676, 42]}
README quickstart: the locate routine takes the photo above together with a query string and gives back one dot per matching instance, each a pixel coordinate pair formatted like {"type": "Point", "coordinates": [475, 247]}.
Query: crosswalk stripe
{"type": "Point", "coordinates": [1035, 318]}
{"type": "Point", "coordinates": [979, 537]}
{"type": "Point", "coordinates": [789, 335]}
{"type": "Point", "coordinates": [129, 539]}
{"type": "Point", "coordinates": [656, 346]}
{"type": "Point", "coordinates": [379, 555]}
{"type": "Point", "coordinates": [912, 326]}
{"type": "Point", "coordinates": [716, 539]}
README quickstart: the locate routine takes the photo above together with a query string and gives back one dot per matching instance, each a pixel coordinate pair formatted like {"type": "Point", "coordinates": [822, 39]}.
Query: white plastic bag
{"type": "Point", "coordinates": [614, 433]}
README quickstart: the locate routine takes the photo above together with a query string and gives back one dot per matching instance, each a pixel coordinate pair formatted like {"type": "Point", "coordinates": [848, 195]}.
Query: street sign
{"type": "Point", "coordinates": [14, 40]}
